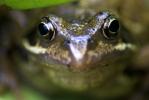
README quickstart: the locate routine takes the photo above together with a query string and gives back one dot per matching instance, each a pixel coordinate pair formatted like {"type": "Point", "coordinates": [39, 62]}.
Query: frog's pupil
{"type": "Point", "coordinates": [111, 28]}
{"type": "Point", "coordinates": [114, 26]}
{"type": "Point", "coordinates": [43, 29]}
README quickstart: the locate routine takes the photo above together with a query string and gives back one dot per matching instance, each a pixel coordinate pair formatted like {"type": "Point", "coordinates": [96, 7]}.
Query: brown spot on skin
{"type": "Point", "coordinates": [58, 54]}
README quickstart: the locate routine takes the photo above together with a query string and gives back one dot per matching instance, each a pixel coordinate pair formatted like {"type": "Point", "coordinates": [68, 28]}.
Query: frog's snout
{"type": "Point", "coordinates": [78, 48]}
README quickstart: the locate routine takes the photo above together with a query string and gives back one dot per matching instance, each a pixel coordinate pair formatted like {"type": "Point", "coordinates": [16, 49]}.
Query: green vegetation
{"type": "Point", "coordinates": [26, 93]}
{"type": "Point", "coordinates": [29, 4]}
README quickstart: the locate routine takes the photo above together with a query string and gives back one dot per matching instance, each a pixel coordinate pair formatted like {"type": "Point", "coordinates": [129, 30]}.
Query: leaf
{"type": "Point", "coordinates": [29, 4]}
{"type": "Point", "coordinates": [1, 2]}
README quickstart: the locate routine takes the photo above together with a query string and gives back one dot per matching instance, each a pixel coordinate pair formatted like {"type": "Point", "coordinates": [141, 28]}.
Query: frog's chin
{"type": "Point", "coordinates": [84, 64]}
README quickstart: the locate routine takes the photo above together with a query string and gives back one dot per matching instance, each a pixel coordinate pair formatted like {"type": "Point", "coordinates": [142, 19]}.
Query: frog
{"type": "Point", "coordinates": [79, 58]}
{"type": "Point", "coordinates": [83, 58]}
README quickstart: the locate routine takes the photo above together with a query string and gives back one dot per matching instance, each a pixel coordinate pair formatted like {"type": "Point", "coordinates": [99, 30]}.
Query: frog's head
{"type": "Point", "coordinates": [79, 45]}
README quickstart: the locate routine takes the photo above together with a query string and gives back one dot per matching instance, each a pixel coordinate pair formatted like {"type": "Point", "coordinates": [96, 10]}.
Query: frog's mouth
{"type": "Point", "coordinates": [78, 55]}
{"type": "Point", "coordinates": [79, 78]}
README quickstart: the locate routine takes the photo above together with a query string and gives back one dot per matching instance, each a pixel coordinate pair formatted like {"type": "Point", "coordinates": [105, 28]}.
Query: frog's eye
{"type": "Point", "coordinates": [111, 28]}
{"type": "Point", "coordinates": [47, 30]}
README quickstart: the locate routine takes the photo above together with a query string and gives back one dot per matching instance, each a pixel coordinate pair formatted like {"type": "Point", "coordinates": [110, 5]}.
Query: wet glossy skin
{"type": "Point", "coordinates": [78, 56]}
{"type": "Point", "coordinates": [79, 44]}
{"type": "Point", "coordinates": [81, 55]}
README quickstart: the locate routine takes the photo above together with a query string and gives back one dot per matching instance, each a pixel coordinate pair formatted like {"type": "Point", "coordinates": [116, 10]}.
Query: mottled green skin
{"type": "Point", "coordinates": [98, 73]}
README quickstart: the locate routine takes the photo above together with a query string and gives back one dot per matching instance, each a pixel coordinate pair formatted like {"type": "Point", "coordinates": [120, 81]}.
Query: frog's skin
{"type": "Point", "coordinates": [77, 56]}
{"type": "Point", "coordinates": [19, 23]}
